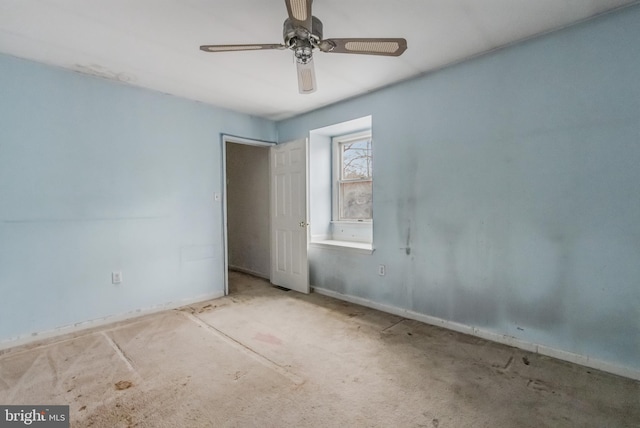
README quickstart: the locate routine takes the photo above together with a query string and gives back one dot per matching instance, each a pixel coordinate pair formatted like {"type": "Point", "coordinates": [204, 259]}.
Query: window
{"type": "Point", "coordinates": [340, 182]}
{"type": "Point", "coordinates": [353, 175]}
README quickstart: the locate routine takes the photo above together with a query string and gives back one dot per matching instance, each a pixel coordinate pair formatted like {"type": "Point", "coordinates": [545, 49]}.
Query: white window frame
{"type": "Point", "coordinates": [347, 230]}
{"type": "Point", "coordinates": [337, 172]}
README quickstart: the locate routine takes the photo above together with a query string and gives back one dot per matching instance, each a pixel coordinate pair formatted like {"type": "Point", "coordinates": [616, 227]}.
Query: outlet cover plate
{"type": "Point", "coordinates": [116, 277]}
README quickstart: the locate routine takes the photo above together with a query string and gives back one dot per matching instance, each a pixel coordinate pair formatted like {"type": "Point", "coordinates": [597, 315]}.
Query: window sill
{"type": "Point", "coordinates": [356, 247]}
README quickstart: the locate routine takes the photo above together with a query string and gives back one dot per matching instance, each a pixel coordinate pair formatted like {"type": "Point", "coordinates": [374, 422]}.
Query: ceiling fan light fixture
{"type": "Point", "coordinates": [303, 51]}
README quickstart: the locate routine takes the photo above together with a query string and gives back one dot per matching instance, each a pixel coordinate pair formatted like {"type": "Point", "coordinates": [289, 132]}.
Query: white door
{"type": "Point", "coordinates": [289, 265]}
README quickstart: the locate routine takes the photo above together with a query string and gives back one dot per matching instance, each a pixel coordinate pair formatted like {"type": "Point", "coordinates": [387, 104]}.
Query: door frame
{"type": "Point", "coordinates": [227, 138]}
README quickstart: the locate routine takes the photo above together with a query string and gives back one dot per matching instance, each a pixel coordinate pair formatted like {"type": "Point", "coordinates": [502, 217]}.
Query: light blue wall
{"type": "Point", "coordinates": [95, 177]}
{"type": "Point", "coordinates": [507, 192]}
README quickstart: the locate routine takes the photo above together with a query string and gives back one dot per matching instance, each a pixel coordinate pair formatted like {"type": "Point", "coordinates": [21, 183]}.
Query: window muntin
{"type": "Point", "coordinates": [354, 178]}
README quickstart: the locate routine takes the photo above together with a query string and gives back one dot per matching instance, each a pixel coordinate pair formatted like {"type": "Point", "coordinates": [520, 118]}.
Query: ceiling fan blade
{"type": "Point", "coordinates": [306, 77]}
{"type": "Point", "coordinates": [234, 48]}
{"type": "Point", "coordinates": [386, 47]}
{"type": "Point", "coordinates": [300, 12]}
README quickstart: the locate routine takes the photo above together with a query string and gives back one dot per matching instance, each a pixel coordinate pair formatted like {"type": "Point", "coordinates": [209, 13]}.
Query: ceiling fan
{"type": "Point", "coordinates": [303, 34]}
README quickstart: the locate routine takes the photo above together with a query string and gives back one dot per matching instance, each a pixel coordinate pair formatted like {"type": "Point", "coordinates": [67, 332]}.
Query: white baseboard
{"type": "Point", "coordinates": [489, 335]}
{"type": "Point", "coordinates": [85, 325]}
{"type": "Point", "coordinates": [249, 271]}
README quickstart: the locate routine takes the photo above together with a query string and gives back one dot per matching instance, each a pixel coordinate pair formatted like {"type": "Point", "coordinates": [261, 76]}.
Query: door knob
{"type": "Point", "coordinates": [303, 224]}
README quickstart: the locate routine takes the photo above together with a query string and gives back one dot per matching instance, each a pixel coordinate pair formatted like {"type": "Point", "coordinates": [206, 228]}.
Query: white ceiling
{"type": "Point", "coordinates": [155, 43]}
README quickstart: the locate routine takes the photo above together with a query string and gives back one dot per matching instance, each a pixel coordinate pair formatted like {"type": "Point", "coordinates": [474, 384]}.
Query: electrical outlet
{"type": "Point", "coordinates": [382, 270]}
{"type": "Point", "coordinates": [116, 277]}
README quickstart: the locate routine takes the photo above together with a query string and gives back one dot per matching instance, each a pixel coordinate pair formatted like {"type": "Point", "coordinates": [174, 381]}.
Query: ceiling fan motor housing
{"type": "Point", "coordinates": [300, 41]}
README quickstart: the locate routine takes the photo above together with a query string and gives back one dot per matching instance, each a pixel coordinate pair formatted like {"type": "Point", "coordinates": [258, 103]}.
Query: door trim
{"type": "Point", "coordinates": [227, 138]}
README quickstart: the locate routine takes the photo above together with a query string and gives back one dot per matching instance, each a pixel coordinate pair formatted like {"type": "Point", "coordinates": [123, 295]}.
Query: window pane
{"type": "Point", "coordinates": [356, 200]}
{"type": "Point", "coordinates": [356, 160]}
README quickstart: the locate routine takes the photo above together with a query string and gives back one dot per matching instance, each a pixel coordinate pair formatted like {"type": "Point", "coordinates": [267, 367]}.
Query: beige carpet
{"type": "Point", "coordinates": [263, 357]}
